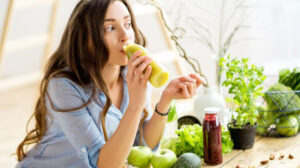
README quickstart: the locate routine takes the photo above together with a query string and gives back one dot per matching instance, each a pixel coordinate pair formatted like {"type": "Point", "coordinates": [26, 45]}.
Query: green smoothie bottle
{"type": "Point", "coordinates": [159, 75]}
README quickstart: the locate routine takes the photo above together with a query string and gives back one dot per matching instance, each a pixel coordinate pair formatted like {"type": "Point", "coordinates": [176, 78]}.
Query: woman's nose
{"type": "Point", "coordinates": [124, 35]}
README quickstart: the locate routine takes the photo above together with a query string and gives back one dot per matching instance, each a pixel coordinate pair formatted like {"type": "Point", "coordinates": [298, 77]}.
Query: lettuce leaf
{"type": "Point", "coordinates": [190, 139]}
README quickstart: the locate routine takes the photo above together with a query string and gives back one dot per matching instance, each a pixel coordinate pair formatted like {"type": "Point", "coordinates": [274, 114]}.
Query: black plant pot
{"type": "Point", "coordinates": [243, 138]}
{"type": "Point", "coordinates": [187, 120]}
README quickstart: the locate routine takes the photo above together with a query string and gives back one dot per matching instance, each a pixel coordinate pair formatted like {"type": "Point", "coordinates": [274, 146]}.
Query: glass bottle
{"type": "Point", "coordinates": [212, 139]}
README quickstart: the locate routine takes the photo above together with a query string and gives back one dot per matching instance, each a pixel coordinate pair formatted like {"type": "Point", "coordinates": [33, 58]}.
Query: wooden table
{"type": "Point", "coordinates": [262, 149]}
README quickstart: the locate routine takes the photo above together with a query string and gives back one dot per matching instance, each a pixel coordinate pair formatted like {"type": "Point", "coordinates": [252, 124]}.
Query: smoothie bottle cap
{"type": "Point", "coordinates": [211, 110]}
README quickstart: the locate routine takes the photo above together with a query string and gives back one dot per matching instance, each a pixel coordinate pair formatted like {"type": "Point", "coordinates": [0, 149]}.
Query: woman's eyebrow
{"type": "Point", "coordinates": [112, 20]}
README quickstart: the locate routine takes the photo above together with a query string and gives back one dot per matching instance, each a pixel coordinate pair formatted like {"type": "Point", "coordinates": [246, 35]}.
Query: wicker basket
{"type": "Point", "coordinates": [280, 106]}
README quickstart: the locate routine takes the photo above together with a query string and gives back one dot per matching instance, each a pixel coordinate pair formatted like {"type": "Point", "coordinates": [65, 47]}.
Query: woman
{"type": "Point", "coordinates": [93, 99]}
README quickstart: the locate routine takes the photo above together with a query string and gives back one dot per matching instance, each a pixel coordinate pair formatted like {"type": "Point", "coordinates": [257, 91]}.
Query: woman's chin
{"type": "Point", "coordinates": [124, 63]}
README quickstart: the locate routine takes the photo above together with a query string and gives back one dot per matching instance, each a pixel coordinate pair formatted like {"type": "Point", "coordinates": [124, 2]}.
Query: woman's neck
{"type": "Point", "coordinates": [111, 75]}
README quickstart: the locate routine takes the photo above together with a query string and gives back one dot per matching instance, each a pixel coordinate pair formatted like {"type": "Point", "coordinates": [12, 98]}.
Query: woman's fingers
{"type": "Point", "coordinates": [139, 61]}
{"type": "Point", "coordinates": [191, 88]}
{"type": "Point", "coordinates": [186, 79]}
{"type": "Point", "coordinates": [142, 67]}
{"type": "Point", "coordinates": [131, 67]}
{"type": "Point", "coordinates": [192, 78]}
{"type": "Point", "coordinates": [184, 90]}
{"type": "Point", "coordinates": [198, 78]}
{"type": "Point", "coordinates": [190, 82]}
{"type": "Point", "coordinates": [147, 74]}
{"type": "Point", "coordinates": [188, 89]}
{"type": "Point", "coordinates": [137, 67]}
{"type": "Point", "coordinates": [135, 61]}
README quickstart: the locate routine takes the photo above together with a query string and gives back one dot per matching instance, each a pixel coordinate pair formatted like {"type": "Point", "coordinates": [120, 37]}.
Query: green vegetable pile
{"type": "Point", "coordinates": [282, 102]}
{"type": "Point", "coordinates": [281, 98]}
{"type": "Point", "coordinates": [283, 105]}
{"type": "Point", "coordinates": [290, 78]}
{"type": "Point", "coordinates": [190, 140]}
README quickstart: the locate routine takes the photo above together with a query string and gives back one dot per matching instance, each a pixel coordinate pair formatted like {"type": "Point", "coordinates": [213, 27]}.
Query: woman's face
{"type": "Point", "coordinates": [117, 31]}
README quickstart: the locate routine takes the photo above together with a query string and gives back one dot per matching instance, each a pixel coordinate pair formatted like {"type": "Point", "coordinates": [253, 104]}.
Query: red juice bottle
{"type": "Point", "coordinates": [212, 139]}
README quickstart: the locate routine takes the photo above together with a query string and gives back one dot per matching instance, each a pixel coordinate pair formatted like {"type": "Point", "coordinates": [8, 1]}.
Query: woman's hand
{"type": "Point", "coordinates": [183, 87]}
{"type": "Point", "coordinates": [137, 76]}
{"type": "Point", "coordinates": [179, 88]}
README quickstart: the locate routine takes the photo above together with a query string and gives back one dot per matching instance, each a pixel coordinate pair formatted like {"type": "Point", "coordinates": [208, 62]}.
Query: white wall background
{"type": "Point", "coordinates": [276, 33]}
{"type": "Point", "coordinates": [274, 39]}
{"type": "Point", "coordinates": [30, 22]}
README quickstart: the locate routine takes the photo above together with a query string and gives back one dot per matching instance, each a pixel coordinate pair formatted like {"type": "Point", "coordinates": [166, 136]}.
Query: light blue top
{"type": "Point", "coordinates": [74, 139]}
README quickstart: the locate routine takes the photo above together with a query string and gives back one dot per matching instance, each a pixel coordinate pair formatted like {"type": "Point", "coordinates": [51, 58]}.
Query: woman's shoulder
{"type": "Point", "coordinates": [66, 93]}
{"type": "Point", "coordinates": [65, 79]}
{"type": "Point", "coordinates": [66, 86]}
{"type": "Point", "coordinates": [58, 83]}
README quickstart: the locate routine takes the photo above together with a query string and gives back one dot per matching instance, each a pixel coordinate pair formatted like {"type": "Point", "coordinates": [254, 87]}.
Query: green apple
{"type": "Point", "coordinates": [164, 158]}
{"type": "Point", "coordinates": [172, 113]}
{"type": "Point", "coordinates": [298, 118]}
{"type": "Point", "coordinates": [287, 125]}
{"type": "Point", "coordinates": [140, 156]}
{"type": "Point", "coordinates": [169, 143]}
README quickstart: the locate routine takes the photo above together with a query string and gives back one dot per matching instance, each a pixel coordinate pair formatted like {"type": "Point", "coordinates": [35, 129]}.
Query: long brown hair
{"type": "Point", "coordinates": [83, 50]}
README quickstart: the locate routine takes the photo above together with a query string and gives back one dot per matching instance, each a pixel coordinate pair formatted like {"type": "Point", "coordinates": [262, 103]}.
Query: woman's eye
{"type": "Point", "coordinates": [109, 29]}
{"type": "Point", "coordinates": [128, 24]}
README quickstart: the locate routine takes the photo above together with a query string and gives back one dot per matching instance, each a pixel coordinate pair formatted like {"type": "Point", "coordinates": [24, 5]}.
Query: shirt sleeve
{"type": "Point", "coordinates": [150, 110]}
{"type": "Point", "coordinates": [78, 126]}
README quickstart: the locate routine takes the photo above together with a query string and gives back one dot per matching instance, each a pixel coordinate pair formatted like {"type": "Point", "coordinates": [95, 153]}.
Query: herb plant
{"type": "Point", "coordinates": [245, 83]}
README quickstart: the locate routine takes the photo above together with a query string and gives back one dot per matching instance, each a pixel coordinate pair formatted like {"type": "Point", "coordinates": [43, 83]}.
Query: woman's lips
{"type": "Point", "coordinates": [122, 51]}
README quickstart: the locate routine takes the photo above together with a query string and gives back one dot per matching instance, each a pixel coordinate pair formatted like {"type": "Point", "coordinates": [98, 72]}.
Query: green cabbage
{"type": "Point", "coordinates": [281, 98]}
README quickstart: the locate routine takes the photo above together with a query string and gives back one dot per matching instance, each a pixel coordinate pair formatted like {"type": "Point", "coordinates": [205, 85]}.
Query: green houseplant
{"type": "Point", "coordinates": [245, 84]}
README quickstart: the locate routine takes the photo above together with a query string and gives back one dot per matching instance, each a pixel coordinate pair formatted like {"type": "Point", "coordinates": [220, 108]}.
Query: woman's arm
{"type": "Point", "coordinates": [180, 88]}
{"type": "Point", "coordinates": [117, 148]}
{"type": "Point", "coordinates": [154, 129]}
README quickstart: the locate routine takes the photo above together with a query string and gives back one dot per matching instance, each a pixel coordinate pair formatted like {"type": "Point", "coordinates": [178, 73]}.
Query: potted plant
{"type": "Point", "coordinates": [245, 84]}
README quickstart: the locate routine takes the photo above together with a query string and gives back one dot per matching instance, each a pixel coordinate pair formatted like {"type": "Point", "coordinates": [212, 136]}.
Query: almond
{"type": "Point", "coordinates": [264, 162]}
{"type": "Point", "coordinates": [281, 157]}
{"type": "Point", "coordinates": [291, 156]}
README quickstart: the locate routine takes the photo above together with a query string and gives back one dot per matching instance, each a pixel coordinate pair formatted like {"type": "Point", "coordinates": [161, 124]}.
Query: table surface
{"type": "Point", "coordinates": [261, 151]}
